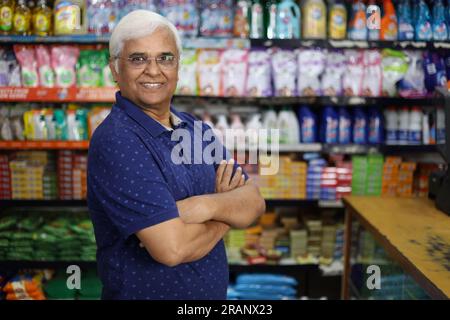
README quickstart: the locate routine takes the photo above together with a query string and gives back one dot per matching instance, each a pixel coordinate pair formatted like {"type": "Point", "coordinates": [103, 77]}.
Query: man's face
{"type": "Point", "coordinates": [150, 85]}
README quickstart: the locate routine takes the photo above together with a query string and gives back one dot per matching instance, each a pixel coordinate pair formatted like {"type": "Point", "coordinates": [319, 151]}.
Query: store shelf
{"type": "Point", "coordinates": [348, 44]}
{"type": "Point", "coordinates": [44, 145]}
{"type": "Point", "coordinates": [42, 203]}
{"type": "Point", "coordinates": [21, 94]}
{"type": "Point", "coordinates": [24, 264]}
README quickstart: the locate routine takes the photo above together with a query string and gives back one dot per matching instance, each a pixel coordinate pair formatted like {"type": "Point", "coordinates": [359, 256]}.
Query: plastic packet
{"type": "Point", "coordinates": [46, 74]}
{"type": "Point", "coordinates": [77, 125]}
{"type": "Point", "coordinates": [89, 68]}
{"type": "Point", "coordinates": [64, 59]}
{"type": "Point", "coordinates": [259, 74]}
{"type": "Point", "coordinates": [107, 77]}
{"type": "Point", "coordinates": [27, 60]}
{"type": "Point", "coordinates": [371, 83]}
{"type": "Point", "coordinates": [10, 74]}
{"type": "Point", "coordinates": [412, 85]}
{"type": "Point", "coordinates": [331, 84]}
{"type": "Point", "coordinates": [209, 72]}
{"type": "Point", "coordinates": [50, 123]}
{"type": "Point", "coordinates": [284, 66]}
{"type": "Point", "coordinates": [5, 125]}
{"type": "Point", "coordinates": [4, 69]}
{"type": "Point", "coordinates": [354, 73]}
{"type": "Point", "coordinates": [101, 16]}
{"type": "Point", "coordinates": [216, 18]}
{"type": "Point", "coordinates": [234, 72]}
{"type": "Point", "coordinates": [187, 83]}
{"type": "Point", "coordinates": [16, 118]}
{"type": "Point", "coordinates": [311, 64]}
{"type": "Point", "coordinates": [183, 14]}
{"type": "Point", "coordinates": [59, 118]}
{"type": "Point", "coordinates": [395, 66]}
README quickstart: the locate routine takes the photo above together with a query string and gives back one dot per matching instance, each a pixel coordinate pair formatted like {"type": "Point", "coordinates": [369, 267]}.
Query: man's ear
{"type": "Point", "coordinates": [114, 71]}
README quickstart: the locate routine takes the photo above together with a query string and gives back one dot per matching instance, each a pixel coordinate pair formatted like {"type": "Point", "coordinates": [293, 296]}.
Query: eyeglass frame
{"type": "Point", "coordinates": [149, 59]}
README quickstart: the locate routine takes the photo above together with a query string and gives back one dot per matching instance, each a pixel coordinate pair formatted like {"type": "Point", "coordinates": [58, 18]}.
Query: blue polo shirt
{"type": "Point", "coordinates": [134, 184]}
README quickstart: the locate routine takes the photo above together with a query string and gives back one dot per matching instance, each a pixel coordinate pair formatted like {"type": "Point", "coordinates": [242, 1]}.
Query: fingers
{"type": "Point", "coordinates": [236, 178]}
{"type": "Point", "coordinates": [242, 181]}
{"type": "Point", "coordinates": [228, 172]}
{"type": "Point", "coordinates": [220, 171]}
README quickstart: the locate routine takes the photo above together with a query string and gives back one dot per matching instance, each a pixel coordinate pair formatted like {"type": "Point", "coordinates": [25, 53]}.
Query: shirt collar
{"type": "Point", "coordinates": [152, 126]}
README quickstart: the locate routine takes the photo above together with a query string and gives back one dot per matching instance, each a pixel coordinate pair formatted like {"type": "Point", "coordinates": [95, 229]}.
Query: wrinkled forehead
{"type": "Point", "coordinates": [158, 42]}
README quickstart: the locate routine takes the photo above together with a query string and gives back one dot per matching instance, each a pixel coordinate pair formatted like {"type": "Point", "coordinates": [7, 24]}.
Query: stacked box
{"type": "Point", "coordinates": [299, 243]}
{"type": "Point", "coordinates": [374, 174]}
{"type": "Point", "coordinates": [328, 241]}
{"type": "Point", "coordinates": [268, 239]}
{"type": "Point", "coordinates": [314, 228]}
{"type": "Point", "coordinates": [5, 178]}
{"type": "Point", "coordinates": [314, 176]}
{"type": "Point", "coordinates": [390, 176]}
{"type": "Point", "coordinates": [339, 243]}
{"type": "Point", "coordinates": [406, 179]}
{"type": "Point", "coordinates": [65, 174]}
{"type": "Point", "coordinates": [359, 177]}
{"type": "Point", "coordinates": [283, 244]}
{"type": "Point", "coordinates": [344, 179]}
{"type": "Point", "coordinates": [26, 179]}
{"type": "Point", "coordinates": [328, 183]}
{"type": "Point", "coordinates": [423, 178]}
{"type": "Point", "coordinates": [298, 177]}
{"type": "Point", "coordinates": [79, 177]}
{"type": "Point", "coordinates": [50, 179]}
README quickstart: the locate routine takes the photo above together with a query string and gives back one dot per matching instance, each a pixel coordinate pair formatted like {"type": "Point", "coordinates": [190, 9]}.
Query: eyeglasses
{"type": "Point", "coordinates": [164, 61]}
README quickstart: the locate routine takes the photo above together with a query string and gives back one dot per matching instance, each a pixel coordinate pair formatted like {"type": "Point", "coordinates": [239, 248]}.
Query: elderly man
{"type": "Point", "coordinates": [158, 225]}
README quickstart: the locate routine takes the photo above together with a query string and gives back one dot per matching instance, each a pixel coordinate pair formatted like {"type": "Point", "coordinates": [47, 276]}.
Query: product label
{"type": "Point", "coordinates": [41, 23]}
{"type": "Point", "coordinates": [415, 137]}
{"type": "Point", "coordinates": [20, 22]}
{"type": "Point", "coordinates": [314, 21]}
{"type": "Point", "coordinates": [359, 133]}
{"type": "Point", "coordinates": [67, 19]}
{"type": "Point", "coordinates": [6, 17]}
{"type": "Point", "coordinates": [308, 130]}
{"type": "Point", "coordinates": [391, 136]}
{"type": "Point", "coordinates": [403, 136]}
{"type": "Point", "coordinates": [337, 24]}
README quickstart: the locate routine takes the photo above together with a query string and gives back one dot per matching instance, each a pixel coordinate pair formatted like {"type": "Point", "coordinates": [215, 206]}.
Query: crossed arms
{"type": "Point", "coordinates": [204, 219]}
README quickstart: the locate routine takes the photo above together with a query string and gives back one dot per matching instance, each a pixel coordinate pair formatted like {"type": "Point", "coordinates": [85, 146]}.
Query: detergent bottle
{"type": "Point", "coordinates": [288, 20]}
{"type": "Point", "coordinates": [440, 28]}
{"type": "Point", "coordinates": [337, 23]}
{"type": "Point", "coordinates": [241, 19]}
{"type": "Point", "coordinates": [373, 21]}
{"type": "Point", "coordinates": [270, 19]}
{"type": "Point", "coordinates": [357, 26]}
{"type": "Point", "coordinates": [405, 25]}
{"type": "Point", "coordinates": [257, 20]}
{"type": "Point", "coordinates": [423, 29]}
{"type": "Point", "coordinates": [314, 19]}
{"type": "Point", "coordinates": [389, 29]}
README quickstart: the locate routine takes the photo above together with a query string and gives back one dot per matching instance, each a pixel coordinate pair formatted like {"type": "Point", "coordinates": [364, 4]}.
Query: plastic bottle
{"type": "Point", "coordinates": [314, 19]}
{"type": "Point", "coordinates": [360, 127]}
{"type": "Point", "coordinates": [337, 23]}
{"type": "Point", "coordinates": [270, 122]}
{"type": "Point", "coordinates": [329, 126]}
{"type": "Point", "coordinates": [375, 127]}
{"type": "Point", "coordinates": [308, 125]}
{"type": "Point", "coordinates": [441, 75]}
{"type": "Point", "coordinates": [430, 70]}
{"type": "Point", "coordinates": [373, 20]}
{"type": "Point", "coordinates": [415, 126]}
{"type": "Point", "coordinates": [357, 26]}
{"type": "Point", "coordinates": [221, 127]}
{"type": "Point", "coordinates": [403, 126]}
{"type": "Point", "coordinates": [270, 19]}
{"type": "Point", "coordinates": [288, 20]}
{"type": "Point", "coordinates": [253, 126]}
{"type": "Point", "coordinates": [389, 28]}
{"type": "Point", "coordinates": [405, 22]}
{"type": "Point", "coordinates": [345, 126]}
{"type": "Point", "coordinates": [241, 19]}
{"type": "Point", "coordinates": [22, 19]}
{"type": "Point", "coordinates": [42, 19]}
{"type": "Point", "coordinates": [69, 17]}
{"type": "Point", "coordinates": [423, 30]}
{"type": "Point", "coordinates": [391, 120]}
{"type": "Point", "coordinates": [6, 16]}
{"type": "Point", "coordinates": [283, 124]}
{"type": "Point", "coordinates": [294, 128]}
{"type": "Point", "coordinates": [257, 20]}
{"type": "Point", "coordinates": [440, 28]}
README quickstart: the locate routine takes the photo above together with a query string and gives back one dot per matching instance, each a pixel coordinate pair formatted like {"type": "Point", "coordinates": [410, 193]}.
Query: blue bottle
{"type": "Point", "coordinates": [288, 20]}
{"type": "Point", "coordinates": [329, 126]}
{"type": "Point", "coordinates": [423, 30]}
{"type": "Point", "coordinates": [360, 126]}
{"type": "Point", "coordinates": [405, 25]}
{"type": "Point", "coordinates": [375, 126]}
{"type": "Point", "coordinates": [430, 72]}
{"type": "Point", "coordinates": [345, 126]}
{"type": "Point", "coordinates": [308, 125]}
{"type": "Point", "coordinates": [441, 74]}
{"type": "Point", "coordinates": [440, 29]}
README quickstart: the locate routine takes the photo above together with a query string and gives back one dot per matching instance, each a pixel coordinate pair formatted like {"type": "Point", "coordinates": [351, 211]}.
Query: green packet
{"type": "Point", "coordinates": [89, 68]}
{"type": "Point", "coordinates": [30, 223]}
{"type": "Point", "coordinates": [7, 222]}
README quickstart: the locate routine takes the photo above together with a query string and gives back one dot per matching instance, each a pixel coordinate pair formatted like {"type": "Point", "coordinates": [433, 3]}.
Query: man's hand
{"type": "Point", "coordinates": [224, 180]}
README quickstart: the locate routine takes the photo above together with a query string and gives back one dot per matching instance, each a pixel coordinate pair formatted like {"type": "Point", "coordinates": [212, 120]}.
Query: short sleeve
{"type": "Point", "coordinates": [127, 182]}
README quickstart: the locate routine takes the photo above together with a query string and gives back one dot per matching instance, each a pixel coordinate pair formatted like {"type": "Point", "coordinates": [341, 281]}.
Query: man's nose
{"type": "Point", "coordinates": [152, 68]}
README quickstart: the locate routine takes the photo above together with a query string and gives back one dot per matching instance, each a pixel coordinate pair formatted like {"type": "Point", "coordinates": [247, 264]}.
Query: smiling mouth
{"type": "Point", "coordinates": [152, 85]}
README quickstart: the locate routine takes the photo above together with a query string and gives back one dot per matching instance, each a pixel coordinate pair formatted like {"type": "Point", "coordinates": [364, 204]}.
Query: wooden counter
{"type": "Point", "coordinates": [412, 231]}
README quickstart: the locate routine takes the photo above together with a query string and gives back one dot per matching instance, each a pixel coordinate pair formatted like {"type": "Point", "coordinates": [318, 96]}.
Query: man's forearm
{"type": "Point", "coordinates": [199, 239]}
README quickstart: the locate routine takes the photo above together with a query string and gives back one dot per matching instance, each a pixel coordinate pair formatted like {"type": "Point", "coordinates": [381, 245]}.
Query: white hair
{"type": "Point", "coordinates": [138, 24]}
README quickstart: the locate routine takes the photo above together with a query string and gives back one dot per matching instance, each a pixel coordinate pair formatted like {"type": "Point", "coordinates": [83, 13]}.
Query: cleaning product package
{"type": "Point", "coordinates": [288, 20]}
{"type": "Point", "coordinates": [311, 64]}
{"type": "Point", "coordinates": [234, 72]}
{"type": "Point", "coordinates": [405, 22]}
{"type": "Point", "coordinates": [187, 82]}
{"type": "Point", "coordinates": [308, 125]}
{"type": "Point", "coordinates": [395, 66]}
{"type": "Point", "coordinates": [354, 73]}
{"type": "Point", "coordinates": [345, 126]}
{"type": "Point", "coordinates": [423, 28]}
{"type": "Point", "coordinates": [412, 84]}
{"type": "Point", "coordinates": [314, 19]}
{"type": "Point", "coordinates": [259, 74]}
{"type": "Point", "coordinates": [357, 25]}
{"type": "Point", "coordinates": [209, 72]}
{"type": "Point", "coordinates": [331, 81]}
{"type": "Point", "coordinates": [284, 66]}
{"type": "Point", "coordinates": [360, 126]}
{"type": "Point", "coordinates": [439, 25]}
{"type": "Point", "coordinates": [329, 126]}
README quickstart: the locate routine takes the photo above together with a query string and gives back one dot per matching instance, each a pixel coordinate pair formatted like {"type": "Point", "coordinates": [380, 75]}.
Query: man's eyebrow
{"type": "Point", "coordinates": [145, 54]}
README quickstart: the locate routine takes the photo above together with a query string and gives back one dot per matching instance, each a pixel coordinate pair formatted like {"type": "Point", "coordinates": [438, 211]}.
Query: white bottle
{"type": "Point", "coordinates": [415, 126]}
{"type": "Point", "coordinates": [253, 127]}
{"type": "Point", "coordinates": [238, 131]}
{"type": "Point", "coordinates": [294, 128]}
{"type": "Point", "coordinates": [403, 128]}
{"type": "Point", "coordinates": [284, 123]}
{"type": "Point", "coordinates": [221, 127]}
{"type": "Point", "coordinates": [391, 117]}
{"type": "Point", "coordinates": [270, 122]}
{"type": "Point", "coordinates": [426, 129]}
{"type": "Point", "coordinates": [207, 120]}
